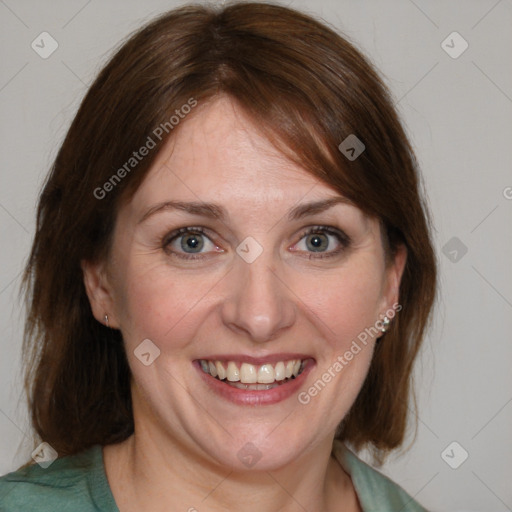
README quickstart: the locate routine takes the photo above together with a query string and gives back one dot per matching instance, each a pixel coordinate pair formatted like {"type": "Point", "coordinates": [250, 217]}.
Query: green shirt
{"type": "Point", "coordinates": [78, 483]}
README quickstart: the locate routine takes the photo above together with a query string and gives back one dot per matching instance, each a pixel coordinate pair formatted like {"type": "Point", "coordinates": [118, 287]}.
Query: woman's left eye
{"type": "Point", "coordinates": [317, 241]}
{"type": "Point", "coordinates": [191, 243]}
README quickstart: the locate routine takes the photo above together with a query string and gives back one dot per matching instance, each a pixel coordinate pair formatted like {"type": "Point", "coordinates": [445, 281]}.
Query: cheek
{"type": "Point", "coordinates": [159, 303]}
{"type": "Point", "coordinates": [346, 302]}
{"type": "Point", "coordinates": [348, 306]}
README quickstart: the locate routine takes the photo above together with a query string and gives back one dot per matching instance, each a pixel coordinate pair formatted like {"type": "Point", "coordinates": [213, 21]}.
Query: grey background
{"type": "Point", "coordinates": [458, 113]}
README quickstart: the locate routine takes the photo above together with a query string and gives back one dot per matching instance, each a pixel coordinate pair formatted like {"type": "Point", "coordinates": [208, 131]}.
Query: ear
{"type": "Point", "coordinates": [99, 292]}
{"type": "Point", "coordinates": [394, 272]}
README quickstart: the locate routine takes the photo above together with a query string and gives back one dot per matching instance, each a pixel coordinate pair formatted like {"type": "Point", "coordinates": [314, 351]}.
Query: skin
{"type": "Point", "coordinates": [183, 454]}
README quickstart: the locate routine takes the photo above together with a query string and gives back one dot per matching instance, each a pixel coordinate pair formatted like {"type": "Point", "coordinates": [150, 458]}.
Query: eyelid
{"type": "Point", "coordinates": [331, 230]}
{"type": "Point", "coordinates": [169, 237]}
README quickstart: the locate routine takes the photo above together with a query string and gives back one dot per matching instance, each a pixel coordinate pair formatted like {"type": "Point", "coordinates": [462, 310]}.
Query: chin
{"type": "Point", "coordinates": [269, 451]}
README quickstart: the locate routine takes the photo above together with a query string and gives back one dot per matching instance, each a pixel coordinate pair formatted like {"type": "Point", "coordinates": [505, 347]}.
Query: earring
{"type": "Point", "coordinates": [385, 324]}
{"type": "Point", "coordinates": [106, 320]}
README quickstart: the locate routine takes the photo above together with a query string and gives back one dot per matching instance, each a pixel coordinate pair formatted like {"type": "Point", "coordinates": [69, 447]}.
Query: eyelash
{"type": "Point", "coordinates": [343, 239]}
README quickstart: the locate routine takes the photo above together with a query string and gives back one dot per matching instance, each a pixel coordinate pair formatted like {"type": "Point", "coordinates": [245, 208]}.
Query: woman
{"type": "Point", "coordinates": [230, 280]}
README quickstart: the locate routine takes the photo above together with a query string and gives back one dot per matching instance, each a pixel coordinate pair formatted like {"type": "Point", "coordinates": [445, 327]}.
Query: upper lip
{"type": "Point", "coordinates": [260, 360]}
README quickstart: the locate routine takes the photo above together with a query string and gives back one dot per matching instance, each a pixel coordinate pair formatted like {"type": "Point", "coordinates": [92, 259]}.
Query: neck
{"type": "Point", "coordinates": [151, 472]}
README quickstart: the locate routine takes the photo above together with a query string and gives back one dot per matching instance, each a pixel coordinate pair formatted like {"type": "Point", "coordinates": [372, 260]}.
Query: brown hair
{"type": "Point", "coordinates": [308, 89]}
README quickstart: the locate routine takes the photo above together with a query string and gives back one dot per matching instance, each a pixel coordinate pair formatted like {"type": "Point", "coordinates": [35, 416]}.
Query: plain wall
{"type": "Point", "coordinates": [458, 112]}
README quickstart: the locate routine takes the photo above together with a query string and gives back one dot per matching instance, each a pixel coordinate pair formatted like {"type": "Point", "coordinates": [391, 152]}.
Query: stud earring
{"type": "Point", "coordinates": [385, 324]}
{"type": "Point", "coordinates": [106, 320]}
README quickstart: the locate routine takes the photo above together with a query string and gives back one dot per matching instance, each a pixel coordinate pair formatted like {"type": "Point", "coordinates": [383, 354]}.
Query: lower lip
{"type": "Point", "coordinates": [253, 397]}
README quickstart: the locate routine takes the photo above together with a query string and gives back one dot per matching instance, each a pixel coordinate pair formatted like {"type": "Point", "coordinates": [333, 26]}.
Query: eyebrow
{"type": "Point", "coordinates": [214, 211]}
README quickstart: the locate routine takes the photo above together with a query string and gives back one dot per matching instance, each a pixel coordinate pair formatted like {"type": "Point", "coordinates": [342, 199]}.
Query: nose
{"type": "Point", "coordinates": [259, 303]}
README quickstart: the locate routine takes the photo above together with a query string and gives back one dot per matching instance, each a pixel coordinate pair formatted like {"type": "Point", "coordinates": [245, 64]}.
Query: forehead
{"type": "Point", "coordinates": [219, 153]}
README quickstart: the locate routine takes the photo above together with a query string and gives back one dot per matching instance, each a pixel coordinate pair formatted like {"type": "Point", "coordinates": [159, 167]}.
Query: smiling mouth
{"type": "Point", "coordinates": [254, 377]}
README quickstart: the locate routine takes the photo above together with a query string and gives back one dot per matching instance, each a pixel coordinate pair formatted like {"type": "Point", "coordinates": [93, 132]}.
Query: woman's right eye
{"type": "Point", "coordinates": [188, 243]}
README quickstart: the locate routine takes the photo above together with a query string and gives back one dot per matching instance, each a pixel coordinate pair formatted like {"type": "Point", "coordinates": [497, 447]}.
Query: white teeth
{"type": "Point", "coordinates": [248, 373]}
{"type": "Point", "coordinates": [266, 374]}
{"type": "Point", "coordinates": [233, 373]}
{"type": "Point", "coordinates": [251, 374]}
{"type": "Point", "coordinates": [221, 372]}
{"type": "Point", "coordinates": [213, 369]}
{"type": "Point", "coordinates": [280, 371]}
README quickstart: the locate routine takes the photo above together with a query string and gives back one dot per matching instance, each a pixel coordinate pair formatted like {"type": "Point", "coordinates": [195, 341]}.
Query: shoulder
{"type": "Point", "coordinates": [75, 483]}
{"type": "Point", "coordinates": [376, 492]}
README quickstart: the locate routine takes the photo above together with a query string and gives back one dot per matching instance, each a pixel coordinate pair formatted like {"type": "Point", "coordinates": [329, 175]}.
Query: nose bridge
{"type": "Point", "coordinates": [257, 301]}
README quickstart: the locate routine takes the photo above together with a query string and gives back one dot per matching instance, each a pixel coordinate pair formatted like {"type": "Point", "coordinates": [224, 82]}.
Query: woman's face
{"type": "Point", "coordinates": [263, 279]}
